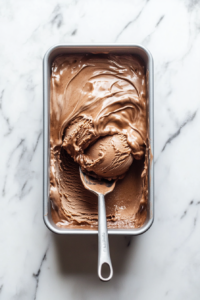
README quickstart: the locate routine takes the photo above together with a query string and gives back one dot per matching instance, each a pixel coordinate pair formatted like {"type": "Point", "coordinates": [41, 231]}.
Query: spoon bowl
{"type": "Point", "coordinates": [95, 185]}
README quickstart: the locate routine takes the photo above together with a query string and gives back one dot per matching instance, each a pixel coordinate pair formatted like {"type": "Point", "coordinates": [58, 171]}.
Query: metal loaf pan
{"type": "Point", "coordinates": [118, 49]}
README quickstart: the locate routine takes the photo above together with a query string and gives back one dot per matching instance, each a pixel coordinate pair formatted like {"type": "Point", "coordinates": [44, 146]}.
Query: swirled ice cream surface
{"type": "Point", "coordinates": [98, 120]}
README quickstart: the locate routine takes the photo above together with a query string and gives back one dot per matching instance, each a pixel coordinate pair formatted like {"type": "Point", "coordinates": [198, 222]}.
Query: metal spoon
{"type": "Point", "coordinates": [101, 188]}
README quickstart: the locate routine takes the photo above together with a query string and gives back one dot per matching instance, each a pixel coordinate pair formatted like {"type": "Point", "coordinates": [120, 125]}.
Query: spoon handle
{"type": "Point", "coordinates": [104, 252]}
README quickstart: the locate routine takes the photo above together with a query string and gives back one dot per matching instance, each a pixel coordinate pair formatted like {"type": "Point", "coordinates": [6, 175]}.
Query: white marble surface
{"type": "Point", "coordinates": [164, 263]}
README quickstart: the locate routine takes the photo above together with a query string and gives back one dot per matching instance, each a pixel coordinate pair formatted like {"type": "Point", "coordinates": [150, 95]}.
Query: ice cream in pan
{"type": "Point", "coordinates": [98, 120]}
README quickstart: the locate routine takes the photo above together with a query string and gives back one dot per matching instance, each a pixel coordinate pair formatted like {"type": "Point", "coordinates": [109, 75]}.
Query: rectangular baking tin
{"type": "Point", "coordinates": [47, 61]}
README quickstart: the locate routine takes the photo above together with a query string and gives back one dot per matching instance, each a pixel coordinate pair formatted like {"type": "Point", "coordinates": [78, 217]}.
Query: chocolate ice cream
{"type": "Point", "coordinates": [98, 120]}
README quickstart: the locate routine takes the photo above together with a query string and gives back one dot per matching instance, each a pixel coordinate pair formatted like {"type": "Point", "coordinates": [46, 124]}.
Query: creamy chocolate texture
{"type": "Point", "coordinates": [98, 120]}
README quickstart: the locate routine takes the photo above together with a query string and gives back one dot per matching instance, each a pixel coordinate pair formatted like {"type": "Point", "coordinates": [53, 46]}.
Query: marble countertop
{"type": "Point", "coordinates": [163, 263]}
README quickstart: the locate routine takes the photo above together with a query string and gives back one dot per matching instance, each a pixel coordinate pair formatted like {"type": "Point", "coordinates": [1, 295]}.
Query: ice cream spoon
{"type": "Point", "coordinates": [101, 188]}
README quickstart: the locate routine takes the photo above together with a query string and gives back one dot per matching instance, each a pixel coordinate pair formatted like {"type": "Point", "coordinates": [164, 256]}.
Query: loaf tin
{"type": "Point", "coordinates": [118, 49]}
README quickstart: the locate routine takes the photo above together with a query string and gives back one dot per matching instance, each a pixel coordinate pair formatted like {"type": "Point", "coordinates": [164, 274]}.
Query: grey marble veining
{"type": "Point", "coordinates": [163, 263]}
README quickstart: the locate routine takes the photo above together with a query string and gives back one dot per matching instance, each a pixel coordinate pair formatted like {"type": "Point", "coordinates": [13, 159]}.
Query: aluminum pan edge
{"type": "Point", "coordinates": [46, 92]}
